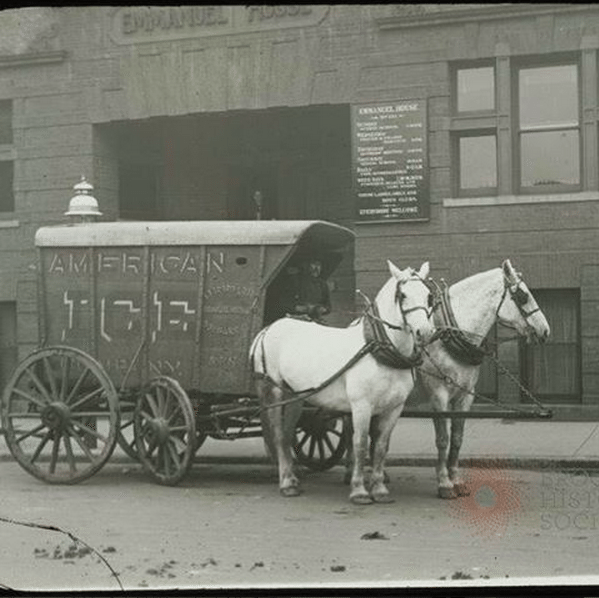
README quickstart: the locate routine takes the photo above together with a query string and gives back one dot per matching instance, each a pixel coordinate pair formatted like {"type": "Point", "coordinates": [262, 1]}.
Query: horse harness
{"type": "Point", "coordinates": [519, 296]}
{"type": "Point", "coordinates": [454, 339]}
{"type": "Point", "coordinates": [377, 343]}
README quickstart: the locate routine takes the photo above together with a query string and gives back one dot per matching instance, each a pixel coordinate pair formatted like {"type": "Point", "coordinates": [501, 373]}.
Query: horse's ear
{"type": "Point", "coordinates": [509, 271]}
{"type": "Point", "coordinates": [424, 270]}
{"type": "Point", "coordinates": [395, 271]}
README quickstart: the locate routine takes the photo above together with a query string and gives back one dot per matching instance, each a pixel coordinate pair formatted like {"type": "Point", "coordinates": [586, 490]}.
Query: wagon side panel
{"type": "Point", "coordinates": [174, 290]}
{"type": "Point", "coordinates": [66, 299]}
{"type": "Point", "coordinates": [231, 314]}
{"type": "Point", "coordinates": [120, 311]}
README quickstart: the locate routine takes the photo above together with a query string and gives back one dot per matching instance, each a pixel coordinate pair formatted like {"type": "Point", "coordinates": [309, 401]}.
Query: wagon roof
{"type": "Point", "coordinates": [200, 232]}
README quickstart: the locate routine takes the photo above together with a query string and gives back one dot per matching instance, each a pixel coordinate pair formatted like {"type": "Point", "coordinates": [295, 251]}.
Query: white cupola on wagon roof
{"type": "Point", "coordinates": [83, 204]}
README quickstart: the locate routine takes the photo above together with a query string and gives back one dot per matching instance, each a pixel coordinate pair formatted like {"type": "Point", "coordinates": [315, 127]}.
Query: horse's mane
{"type": "Point", "coordinates": [474, 280]}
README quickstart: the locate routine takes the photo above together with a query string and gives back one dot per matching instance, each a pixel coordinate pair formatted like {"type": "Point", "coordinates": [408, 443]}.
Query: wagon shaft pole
{"type": "Point", "coordinates": [480, 414]}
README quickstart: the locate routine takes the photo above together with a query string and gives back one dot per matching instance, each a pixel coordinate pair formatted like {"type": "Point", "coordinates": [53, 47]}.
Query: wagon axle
{"type": "Point", "coordinates": [56, 416]}
{"type": "Point", "coordinates": [157, 431]}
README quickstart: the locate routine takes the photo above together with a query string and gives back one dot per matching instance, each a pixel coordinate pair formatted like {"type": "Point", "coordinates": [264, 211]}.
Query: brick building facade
{"type": "Point", "coordinates": [182, 113]}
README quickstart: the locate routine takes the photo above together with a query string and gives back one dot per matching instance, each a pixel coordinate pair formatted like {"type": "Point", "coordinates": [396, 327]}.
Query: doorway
{"type": "Point", "coordinates": [252, 192]}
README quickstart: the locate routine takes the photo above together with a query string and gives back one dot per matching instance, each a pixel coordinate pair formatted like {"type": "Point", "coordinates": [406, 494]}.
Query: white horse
{"type": "Point", "coordinates": [364, 369]}
{"type": "Point", "coordinates": [468, 310]}
{"type": "Point", "coordinates": [463, 316]}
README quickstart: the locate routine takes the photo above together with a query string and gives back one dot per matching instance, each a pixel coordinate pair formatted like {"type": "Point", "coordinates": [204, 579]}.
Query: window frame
{"type": "Point", "coordinates": [7, 104]}
{"type": "Point", "coordinates": [516, 65]}
{"type": "Point", "coordinates": [4, 212]}
{"type": "Point", "coordinates": [468, 65]}
{"type": "Point", "coordinates": [471, 123]}
{"type": "Point", "coordinates": [504, 121]}
{"type": "Point", "coordinates": [474, 191]}
{"type": "Point", "coordinates": [526, 352]}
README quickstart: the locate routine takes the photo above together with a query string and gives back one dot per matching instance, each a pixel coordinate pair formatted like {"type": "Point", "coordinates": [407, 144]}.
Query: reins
{"type": "Point", "coordinates": [541, 410]}
{"type": "Point", "coordinates": [376, 343]}
{"type": "Point", "coordinates": [456, 341]}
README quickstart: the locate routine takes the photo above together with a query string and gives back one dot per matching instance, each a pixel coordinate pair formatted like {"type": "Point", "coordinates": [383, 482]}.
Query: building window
{"type": "Point", "coordinates": [548, 128]}
{"type": "Point", "coordinates": [5, 122]}
{"type": "Point", "coordinates": [7, 198]}
{"type": "Point", "coordinates": [552, 371]}
{"type": "Point", "coordinates": [525, 140]}
{"type": "Point", "coordinates": [474, 130]}
{"type": "Point", "coordinates": [475, 90]}
{"type": "Point", "coordinates": [477, 163]}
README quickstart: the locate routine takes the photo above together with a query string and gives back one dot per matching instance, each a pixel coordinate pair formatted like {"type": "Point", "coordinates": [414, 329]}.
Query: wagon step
{"type": "Point", "coordinates": [548, 414]}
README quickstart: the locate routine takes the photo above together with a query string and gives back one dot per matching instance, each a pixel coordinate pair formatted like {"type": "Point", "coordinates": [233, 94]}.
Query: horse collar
{"type": "Point", "coordinates": [382, 349]}
{"type": "Point", "coordinates": [454, 340]}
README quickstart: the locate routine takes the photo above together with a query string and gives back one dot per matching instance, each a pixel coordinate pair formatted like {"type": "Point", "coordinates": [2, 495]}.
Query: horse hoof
{"type": "Point", "coordinates": [361, 499]}
{"type": "Point", "coordinates": [447, 493]}
{"type": "Point", "coordinates": [383, 498]}
{"type": "Point", "coordinates": [461, 489]}
{"type": "Point", "coordinates": [291, 491]}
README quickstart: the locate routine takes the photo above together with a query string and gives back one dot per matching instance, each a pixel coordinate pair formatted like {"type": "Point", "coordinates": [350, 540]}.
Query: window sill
{"type": "Point", "coordinates": [504, 200]}
{"type": "Point", "coordinates": [9, 223]}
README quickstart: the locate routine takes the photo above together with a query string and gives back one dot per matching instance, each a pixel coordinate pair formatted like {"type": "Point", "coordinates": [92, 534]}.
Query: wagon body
{"type": "Point", "coordinates": [182, 299]}
{"type": "Point", "coordinates": [145, 330]}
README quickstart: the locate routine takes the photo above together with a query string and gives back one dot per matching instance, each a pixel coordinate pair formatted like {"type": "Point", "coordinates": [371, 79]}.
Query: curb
{"type": "Point", "coordinates": [482, 461]}
{"type": "Point", "coordinates": [532, 463]}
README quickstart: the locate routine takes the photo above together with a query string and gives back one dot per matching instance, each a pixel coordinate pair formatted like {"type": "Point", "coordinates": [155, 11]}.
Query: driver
{"type": "Point", "coordinates": [313, 297]}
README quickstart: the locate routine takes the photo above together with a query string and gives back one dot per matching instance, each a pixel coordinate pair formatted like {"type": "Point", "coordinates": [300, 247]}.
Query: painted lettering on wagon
{"type": "Point", "coordinates": [229, 289]}
{"type": "Point", "coordinates": [121, 366]}
{"type": "Point", "coordinates": [172, 315]}
{"type": "Point", "coordinates": [78, 263]}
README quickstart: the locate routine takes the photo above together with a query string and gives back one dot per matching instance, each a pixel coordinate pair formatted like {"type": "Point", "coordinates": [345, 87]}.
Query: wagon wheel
{"type": "Point", "coordinates": [60, 415]}
{"type": "Point", "coordinates": [165, 431]}
{"type": "Point", "coordinates": [321, 439]}
{"type": "Point", "coordinates": [125, 434]}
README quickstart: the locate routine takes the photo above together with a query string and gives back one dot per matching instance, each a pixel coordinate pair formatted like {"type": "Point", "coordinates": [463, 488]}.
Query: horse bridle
{"type": "Point", "coordinates": [518, 295]}
{"type": "Point", "coordinates": [399, 297]}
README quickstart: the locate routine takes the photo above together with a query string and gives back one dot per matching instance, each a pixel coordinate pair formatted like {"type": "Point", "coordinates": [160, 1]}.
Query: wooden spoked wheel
{"type": "Point", "coordinates": [321, 439]}
{"type": "Point", "coordinates": [165, 431]}
{"type": "Point", "coordinates": [60, 415]}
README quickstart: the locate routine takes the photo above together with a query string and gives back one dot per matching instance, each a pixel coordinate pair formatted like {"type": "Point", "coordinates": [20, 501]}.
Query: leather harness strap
{"type": "Point", "coordinates": [455, 340]}
{"type": "Point", "coordinates": [376, 342]}
{"type": "Point", "coordinates": [383, 350]}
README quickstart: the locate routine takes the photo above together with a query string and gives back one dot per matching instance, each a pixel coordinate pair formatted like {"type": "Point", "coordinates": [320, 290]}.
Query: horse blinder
{"type": "Point", "coordinates": [521, 298]}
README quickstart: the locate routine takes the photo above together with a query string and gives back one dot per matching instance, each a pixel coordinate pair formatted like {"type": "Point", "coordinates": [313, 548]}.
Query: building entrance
{"type": "Point", "coordinates": [295, 163]}
{"type": "Point", "coordinates": [252, 192]}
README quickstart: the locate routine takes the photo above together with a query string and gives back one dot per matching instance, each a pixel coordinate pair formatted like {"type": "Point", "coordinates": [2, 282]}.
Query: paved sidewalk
{"type": "Point", "coordinates": [518, 444]}
{"type": "Point", "coordinates": [527, 444]}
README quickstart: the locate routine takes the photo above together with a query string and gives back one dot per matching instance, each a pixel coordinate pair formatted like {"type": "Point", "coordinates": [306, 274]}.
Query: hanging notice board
{"type": "Point", "coordinates": [390, 161]}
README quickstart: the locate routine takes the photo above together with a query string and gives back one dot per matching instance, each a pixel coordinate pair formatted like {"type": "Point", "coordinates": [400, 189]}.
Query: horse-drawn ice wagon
{"type": "Point", "coordinates": [144, 337]}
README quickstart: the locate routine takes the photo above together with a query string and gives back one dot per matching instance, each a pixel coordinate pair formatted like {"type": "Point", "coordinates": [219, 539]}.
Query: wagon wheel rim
{"type": "Point", "coordinates": [321, 439]}
{"type": "Point", "coordinates": [165, 431]}
{"type": "Point", "coordinates": [125, 433]}
{"type": "Point", "coordinates": [60, 415]}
